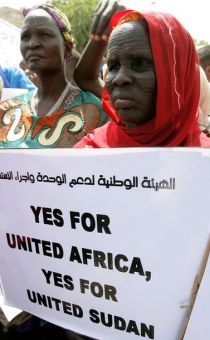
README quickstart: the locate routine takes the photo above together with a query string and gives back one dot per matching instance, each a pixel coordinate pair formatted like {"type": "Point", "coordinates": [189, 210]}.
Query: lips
{"type": "Point", "coordinates": [122, 103]}
{"type": "Point", "coordinates": [34, 56]}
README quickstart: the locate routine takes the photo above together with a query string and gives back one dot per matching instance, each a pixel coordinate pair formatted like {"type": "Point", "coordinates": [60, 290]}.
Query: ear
{"type": "Point", "coordinates": [68, 50]}
{"type": "Point", "coordinates": [207, 71]}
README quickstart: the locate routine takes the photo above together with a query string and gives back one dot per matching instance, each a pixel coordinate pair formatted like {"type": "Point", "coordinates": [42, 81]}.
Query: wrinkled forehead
{"type": "Point", "coordinates": [40, 19]}
{"type": "Point", "coordinates": [39, 16]}
{"type": "Point", "coordinates": [38, 13]}
{"type": "Point", "coordinates": [133, 33]}
{"type": "Point", "coordinates": [132, 28]}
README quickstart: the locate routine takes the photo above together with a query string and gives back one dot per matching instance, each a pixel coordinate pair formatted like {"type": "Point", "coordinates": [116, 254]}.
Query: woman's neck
{"type": "Point", "coordinates": [50, 96]}
{"type": "Point", "coordinates": [51, 85]}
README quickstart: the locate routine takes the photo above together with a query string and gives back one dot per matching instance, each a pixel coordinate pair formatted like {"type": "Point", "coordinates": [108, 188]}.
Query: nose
{"type": "Point", "coordinates": [33, 42]}
{"type": "Point", "coordinates": [122, 77]}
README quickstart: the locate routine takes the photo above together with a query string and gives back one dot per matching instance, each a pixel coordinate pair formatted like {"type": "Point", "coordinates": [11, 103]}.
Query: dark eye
{"type": "Point", "coordinates": [114, 66]}
{"type": "Point", "coordinates": [45, 35]}
{"type": "Point", "coordinates": [24, 37]}
{"type": "Point", "coordinates": [139, 64]}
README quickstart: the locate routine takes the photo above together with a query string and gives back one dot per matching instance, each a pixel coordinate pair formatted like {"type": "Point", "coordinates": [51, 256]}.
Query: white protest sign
{"type": "Point", "coordinates": [9, 44]}
{"type": "Point", "coordinates": [199, 325]}
{"type": "Point", "coordinates": [104, 242]}
{"type": "Point", "coordinates": [8, 93]}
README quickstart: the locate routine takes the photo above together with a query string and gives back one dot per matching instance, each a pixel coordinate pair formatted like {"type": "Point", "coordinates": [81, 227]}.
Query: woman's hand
{"type": "Point", "coordinates": [101, 19]}
{"type": "Point", "coordinates": [88, 78]}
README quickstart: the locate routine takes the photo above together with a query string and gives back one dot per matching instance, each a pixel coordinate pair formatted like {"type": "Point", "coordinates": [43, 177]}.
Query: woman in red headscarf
{"type": "Point", "coordinates": [152, 85]}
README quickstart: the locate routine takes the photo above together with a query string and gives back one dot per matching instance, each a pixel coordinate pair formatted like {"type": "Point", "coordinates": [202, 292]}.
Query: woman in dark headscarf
{"type": "Point", "coordinates": [152, 85]}
{"type": "Point", "coordinates": [57, 114]}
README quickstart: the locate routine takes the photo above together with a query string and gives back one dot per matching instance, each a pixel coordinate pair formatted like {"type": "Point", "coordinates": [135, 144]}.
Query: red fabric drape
{"type": "Point", "coordinates": [178, 91]}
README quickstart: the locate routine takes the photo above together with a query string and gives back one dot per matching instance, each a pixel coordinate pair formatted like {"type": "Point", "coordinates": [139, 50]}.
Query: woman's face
{"type": "Point", "coordinates": [131, 79]}
{"type": "Point", "coordinates": [42, 44]}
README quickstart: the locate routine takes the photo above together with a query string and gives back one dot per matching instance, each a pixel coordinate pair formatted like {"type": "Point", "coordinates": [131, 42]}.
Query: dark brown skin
{"type": "Point", "coordinates": [102, 15]}
{"type": "Point", "coordinates": [88, 78]}
{"type": "Point", "coordinates": [130, 78]}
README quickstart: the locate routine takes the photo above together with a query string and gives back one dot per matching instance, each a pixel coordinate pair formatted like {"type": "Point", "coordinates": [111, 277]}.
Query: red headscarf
{"type": "Point", "coordinates": [178, 91]}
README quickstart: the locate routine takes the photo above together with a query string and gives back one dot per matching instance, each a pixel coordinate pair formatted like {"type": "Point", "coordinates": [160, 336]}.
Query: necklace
{"type": "Point", "coordinates": [57, 103]}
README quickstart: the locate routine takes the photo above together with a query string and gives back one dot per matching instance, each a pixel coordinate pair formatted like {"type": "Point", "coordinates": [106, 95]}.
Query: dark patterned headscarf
{"type": "Point", "coordinates": [58, 16]}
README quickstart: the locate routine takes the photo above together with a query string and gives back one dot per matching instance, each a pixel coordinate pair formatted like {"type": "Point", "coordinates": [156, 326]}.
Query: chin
{"type": "Point", "coordinates": [128, 118]}
{"type": "Point", "coordinates": [32, 67]}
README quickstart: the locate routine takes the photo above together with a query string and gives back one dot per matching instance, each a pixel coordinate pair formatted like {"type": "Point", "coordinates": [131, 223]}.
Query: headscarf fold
{"type": "Point", "coordinates": [178, 91]}
{"type": "Point", "coordinates": [58, 16]}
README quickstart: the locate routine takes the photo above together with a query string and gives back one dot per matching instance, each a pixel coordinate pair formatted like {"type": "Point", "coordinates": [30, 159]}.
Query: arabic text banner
{"type": "Point", "coordinates": [104, 242]}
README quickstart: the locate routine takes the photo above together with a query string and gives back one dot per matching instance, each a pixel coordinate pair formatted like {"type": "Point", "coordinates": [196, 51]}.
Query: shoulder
{"type": "Point", "coordinates": [88, 104]}
{"type": "Point", "coordinates": [86, 97]}
{"type": "Point", "coordinates": [91, 98]}
{"type": "Point", "coordinates": [94, 101]}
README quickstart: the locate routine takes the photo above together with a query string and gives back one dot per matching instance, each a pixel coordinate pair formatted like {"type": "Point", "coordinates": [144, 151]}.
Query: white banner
{"type": "Point", "coordinates": [8, 93]}
{"type": "Point", "coordinates": [9, 44]}
{"type": "Point", "coordinates": [104, 242]}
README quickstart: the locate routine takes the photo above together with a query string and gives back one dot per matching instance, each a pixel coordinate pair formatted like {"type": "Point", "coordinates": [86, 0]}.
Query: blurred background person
{"type": "Point", "coordinates": [204, 102]}
{"type": "Point", "coordinates": [204, 59]}
{"type": "Point", "coordinates": [14, 77]}
{"type": "Point", "coordinates": [71, 64]}
{"type": "Point", "coordinates": [31, 75]}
